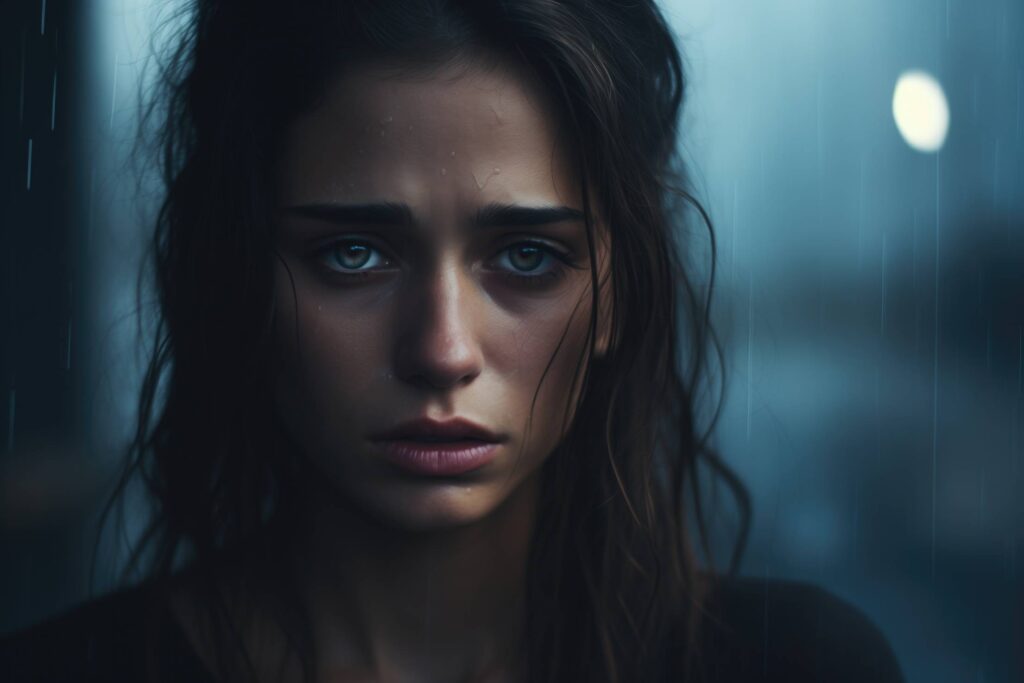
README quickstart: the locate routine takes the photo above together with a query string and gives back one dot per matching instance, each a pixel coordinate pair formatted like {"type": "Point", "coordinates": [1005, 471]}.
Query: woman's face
{"type": "Point", "coordinates": [433, 267]}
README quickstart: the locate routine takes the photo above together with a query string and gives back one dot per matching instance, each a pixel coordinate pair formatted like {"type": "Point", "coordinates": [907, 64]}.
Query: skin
{"type": "Point", "coordinates": [439, 322]}
{"type": "Point", "coordinates": [383, 321]}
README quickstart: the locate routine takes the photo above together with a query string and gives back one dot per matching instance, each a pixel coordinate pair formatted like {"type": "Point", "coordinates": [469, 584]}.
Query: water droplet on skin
{"type": "Point", "coordinates": [389, 119]}
{"type": "Point", "coordinates": [382, 133]}
{"type": "Point", "coordinates": [480, 186]}
{"type": "Point", "coordinates": [452, 155]}
{"type": "Point", "coordinates": [444, 171]}
{"type": "Point", "coordinates": [410, 126]}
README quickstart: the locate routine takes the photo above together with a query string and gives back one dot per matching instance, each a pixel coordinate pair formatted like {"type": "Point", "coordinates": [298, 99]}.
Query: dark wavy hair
{"type": "Point", "coordinates": [614, 592]}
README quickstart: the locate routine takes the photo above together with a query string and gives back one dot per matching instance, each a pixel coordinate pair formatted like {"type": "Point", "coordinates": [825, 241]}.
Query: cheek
{"type": "Point", "coordinates": [548, 347]}
{"type": "Point", "coordinates": [329, 361]}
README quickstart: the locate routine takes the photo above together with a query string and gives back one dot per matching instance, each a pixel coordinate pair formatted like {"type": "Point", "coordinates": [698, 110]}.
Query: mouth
{"type": "Point", "coordinates": [433, 448]}
{"type": "Point", "coordinates": [439, 458]}
{"type": "Point", "coordinates": [437, 439]}
{"type": "Point", "coordinates": [435, 431]}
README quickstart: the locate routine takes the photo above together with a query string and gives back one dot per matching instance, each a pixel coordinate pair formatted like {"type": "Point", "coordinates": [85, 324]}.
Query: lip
{"type": "Point", "coordinates": [435, 448]}
{"type": "Point", "coordinates": [441, 458]}
{"type": "Point", "coordinates": [456, 429]}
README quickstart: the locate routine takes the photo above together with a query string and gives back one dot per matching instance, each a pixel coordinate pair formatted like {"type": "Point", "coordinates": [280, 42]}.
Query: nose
{"type": "Point", "coordinates": [437, 347]}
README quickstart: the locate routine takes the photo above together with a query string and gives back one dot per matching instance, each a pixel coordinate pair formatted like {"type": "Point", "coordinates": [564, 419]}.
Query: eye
{"type": "Point", "coordinates": [353, 257]}
{"type": "Point", "coordinates": [533, 261]}
{"type": "Point", "coordinates": [528, 262]}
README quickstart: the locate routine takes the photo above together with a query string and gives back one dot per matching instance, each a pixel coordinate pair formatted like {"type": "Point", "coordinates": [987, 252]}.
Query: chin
{"type": "Point", "coordinates": [429, 505]}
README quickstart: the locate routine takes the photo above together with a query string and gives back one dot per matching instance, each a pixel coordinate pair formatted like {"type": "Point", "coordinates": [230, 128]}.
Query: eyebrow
{"type": "Point", "coordinates": [509, 215]}
{"type": "Point", "coordinates": [392, 213]}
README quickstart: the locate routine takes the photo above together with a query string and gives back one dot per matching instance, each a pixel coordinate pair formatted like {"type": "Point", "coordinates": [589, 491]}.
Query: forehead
{"type": "Point", "coordinates": [456, 135]}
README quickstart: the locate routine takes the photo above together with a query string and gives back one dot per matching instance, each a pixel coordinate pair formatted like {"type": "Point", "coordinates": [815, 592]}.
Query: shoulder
{"type": "Point", "coordinates": [790, 631]}
{"type": "Point", "coordinates": [105, 639]}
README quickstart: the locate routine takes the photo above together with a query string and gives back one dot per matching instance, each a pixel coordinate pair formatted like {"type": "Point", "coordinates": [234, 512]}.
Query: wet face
{"type": "Point", "coordinates": [433, 267]}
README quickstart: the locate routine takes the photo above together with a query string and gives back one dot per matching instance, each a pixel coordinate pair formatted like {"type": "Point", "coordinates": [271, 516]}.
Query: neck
{"type": "Point", "coordinates": [447, 602]}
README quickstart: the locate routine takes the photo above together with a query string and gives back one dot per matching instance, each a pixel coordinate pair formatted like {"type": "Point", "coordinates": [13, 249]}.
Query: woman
{"type": "Point", "coordinates": [429, 358]}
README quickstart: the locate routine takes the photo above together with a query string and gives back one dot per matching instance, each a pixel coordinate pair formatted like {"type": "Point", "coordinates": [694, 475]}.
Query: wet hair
{"type": "Point", "coordinates": [614, 591]}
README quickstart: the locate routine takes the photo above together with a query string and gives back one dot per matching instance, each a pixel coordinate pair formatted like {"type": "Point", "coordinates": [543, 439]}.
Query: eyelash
{"type": "Point", "coordinates": [561, 261]}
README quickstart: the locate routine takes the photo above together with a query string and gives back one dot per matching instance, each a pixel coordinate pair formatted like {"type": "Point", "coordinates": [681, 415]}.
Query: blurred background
{"type": "Point", "coordinates": [863, 163]}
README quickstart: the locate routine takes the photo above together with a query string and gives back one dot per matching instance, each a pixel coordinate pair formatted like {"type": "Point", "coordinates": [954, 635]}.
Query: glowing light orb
{"type": "Point", "coordinates": [921, 111]}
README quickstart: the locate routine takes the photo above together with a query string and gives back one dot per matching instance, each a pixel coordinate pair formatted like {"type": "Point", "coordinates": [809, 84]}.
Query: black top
{"type": "Point", "coordinates": [774, 631]}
